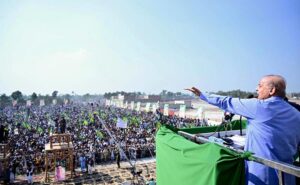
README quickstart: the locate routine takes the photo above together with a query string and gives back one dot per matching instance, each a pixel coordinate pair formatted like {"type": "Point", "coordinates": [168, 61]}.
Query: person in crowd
{"type": "Point", "coordinates": [62, 124]}
{"type": "Point", "coordinates": [151, 182]}
{"type": "Point", "coordinates": [90, 166]}
{"type": "Point", "coordinates": [57, 127]}
{"type": "Point", "coordinates": [82, 161]}
{"type": "Point", "coordinates": [11, 174]}
{"type": "Point", "coordinates": [273, 130]}
{"type": "Point", "coordinates": [29, 174]}
{"type": "Point", "coordinates": [112, 155]}
{"type": "Point", "coordinates": [58, 172]}
{"type": "Point", "coordinates": [1, 132]}
{"type": "Point", "coordinates": [118, 158]}
{"type": "Point", "coordinates": [87, 134]}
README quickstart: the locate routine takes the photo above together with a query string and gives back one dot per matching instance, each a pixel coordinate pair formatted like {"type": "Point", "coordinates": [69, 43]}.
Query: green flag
{"type": "Point", "coordinates": [91, 118]}
{"type": "Point", "coordinates": [40, 130]}
{"type": "Point", "coordinates": [99, 134]}
{"type": "Point", "coordinates": [85, 123]}
{"type": "Point", "coordinates": [135, 121]}
{"type": "Point", "coordinates": [158, 125]}
{"type": "Point", "coordinates": [125, 119]}
{"type": "Point", "coordinates": [26, 125]}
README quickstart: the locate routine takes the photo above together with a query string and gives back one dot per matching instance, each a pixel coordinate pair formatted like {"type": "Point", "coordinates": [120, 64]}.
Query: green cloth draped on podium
{"type": "Point", "coordinates": [183, 162]}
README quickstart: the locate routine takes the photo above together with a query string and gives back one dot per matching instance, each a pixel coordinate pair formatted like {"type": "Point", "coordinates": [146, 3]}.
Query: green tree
{"type": "Point", "coordinates": [235, 93]}
{"type": "Point", "coordinates": [170, 94]}
{"type": "Point", "coordinates": [86, 97]}
{"type": "Point", "coordinates": [163, 93]}
{"type": "Point", "coordinates": [4, 100]}
{"type": "Point", "coordinates": [178, 93]}
{"type": "Point", "coordinates": [107, 95]}
{"type": "Point", "coordinates": [54, 94]}
{"type": "Point", "coordinates": [34, 97]}
{"type": "Point", "coordinates": [48, 99]}
{"type": "Point", "coordinates": [17, 95]}
{"type": "Point", "coordinates": [67, 97]}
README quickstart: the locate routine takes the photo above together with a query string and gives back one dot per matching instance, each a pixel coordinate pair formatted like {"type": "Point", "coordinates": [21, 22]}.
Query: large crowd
{"type": "Point", "coordinates": [27, 130]}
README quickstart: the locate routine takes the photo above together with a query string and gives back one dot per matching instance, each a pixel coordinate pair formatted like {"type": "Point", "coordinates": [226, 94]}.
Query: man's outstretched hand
{"type": "Point", "coordinates": [194, 90]}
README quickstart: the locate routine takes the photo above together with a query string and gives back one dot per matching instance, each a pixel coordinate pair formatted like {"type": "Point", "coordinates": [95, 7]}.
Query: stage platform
{"type": "Point", "coordinates": [58, 146]}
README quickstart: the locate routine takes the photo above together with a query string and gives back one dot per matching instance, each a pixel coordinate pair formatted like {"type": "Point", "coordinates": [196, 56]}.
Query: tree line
{"type": "Point", "coordinates": [6, 100]}
{"type": "Point", "coordinates": [20, 98]}
{"type": "Point", "coordinates": [236, 93]}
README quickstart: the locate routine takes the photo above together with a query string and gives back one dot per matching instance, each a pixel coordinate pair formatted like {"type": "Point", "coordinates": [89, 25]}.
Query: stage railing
{"type": "Point", "coordinates": [280, 166]}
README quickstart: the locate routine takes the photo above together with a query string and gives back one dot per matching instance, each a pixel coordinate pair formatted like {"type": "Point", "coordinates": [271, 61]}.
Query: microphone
{"type": "Point", "coordinates": [228, 116]}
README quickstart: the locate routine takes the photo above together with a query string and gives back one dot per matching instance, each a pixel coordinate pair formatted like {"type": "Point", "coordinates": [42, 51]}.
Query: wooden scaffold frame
{"type": "Point", "coordinates": [4, 155]}
{"type": "Point", "coordinates": [59, 148]}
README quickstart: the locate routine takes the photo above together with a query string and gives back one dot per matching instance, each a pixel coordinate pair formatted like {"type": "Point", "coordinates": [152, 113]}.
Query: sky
{"type": "Point", "coordinates": [146, 45]}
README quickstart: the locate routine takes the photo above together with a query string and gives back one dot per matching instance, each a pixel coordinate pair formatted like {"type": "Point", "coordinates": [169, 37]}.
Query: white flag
{"type": "Point", "coordinates": [42, 102]}
{"type": "Point", "coordinates": [200, 113]}
{"type": "Point", "coordinates": [66, 101]}
{"type": "Point", "coordinates": [166, 110]}
{"type": "Point", "coordinates": [182, 111]}
{"type": "Point", "coordinates": [132, 105]}
{"type": "Point", "coordinates": [28, 103]}
{"type": "Point", "coordinates": [14, 102]}
{"type": "Point", "coordinates": [54, 101]}
{"type": "Point", "coordinates": [147, 107]}
{"type": "Point", "coordinates": [154, 107]}
{"type": "Point", "coordinates": [138, 106]}
{"type": "Point", "coordinates": [121, 123]}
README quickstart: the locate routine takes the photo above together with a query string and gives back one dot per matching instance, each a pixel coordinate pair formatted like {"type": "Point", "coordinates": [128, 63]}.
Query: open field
{"type": "Point", "coordinates": [103, 174]}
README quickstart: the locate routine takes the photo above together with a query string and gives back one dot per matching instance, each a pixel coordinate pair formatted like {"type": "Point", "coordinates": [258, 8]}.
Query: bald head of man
{"type": "Point", "coordinates": [271, 85]}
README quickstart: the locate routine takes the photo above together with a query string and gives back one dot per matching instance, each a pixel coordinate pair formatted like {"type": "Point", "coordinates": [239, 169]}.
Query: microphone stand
{"type": "Point", "coordinates": [241, 127]}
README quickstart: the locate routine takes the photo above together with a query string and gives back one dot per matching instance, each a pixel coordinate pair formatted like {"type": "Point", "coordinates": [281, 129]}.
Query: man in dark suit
{"type": "Point", "coordinates": [1, 133]}
{"type": "Point", "coordinates": [62, 124]}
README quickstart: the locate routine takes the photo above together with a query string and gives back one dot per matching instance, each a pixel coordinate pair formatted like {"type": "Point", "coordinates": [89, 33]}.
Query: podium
{"type": "Point", "coordinates": [183, 154]}
{"type": "Point", "coordinates": [181, 161]}
{"type": "Point", "coordinates": [59, 148]}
